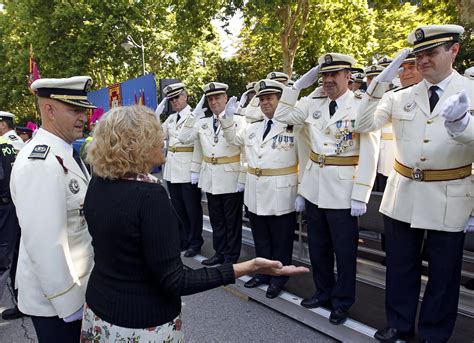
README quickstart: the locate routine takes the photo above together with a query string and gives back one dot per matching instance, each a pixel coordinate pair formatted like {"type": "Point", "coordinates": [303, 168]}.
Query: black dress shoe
{"type": "Point", "coordinates": [273, 291]}
{"type": "Point", "coordinates": [314, 302]}
{"type": "Point", "coordinates": [254, 282]}
{"type": "Point", "coordinates": [338, 316]}
{"type": "Point", "coordinates": [12, 313]}
{"type": "Point", "coordinates": [191, 253]}
{"type": "Point", "coordinates": [212, 261]}
{"type": "Point", "coordinates": [391, 335]}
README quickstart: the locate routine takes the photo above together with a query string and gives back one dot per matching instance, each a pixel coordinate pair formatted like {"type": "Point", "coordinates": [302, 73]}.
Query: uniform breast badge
{"type": "Point", "coordinates": [252, 135]}
{"type": "Point", "coordinates": [74, 186]}
{"type": "Point", "coordinates": [410, 106]}
{"type": "Point", "coordinates": [317, 114]}
{"type": "Point", "coordinates": [204, 126]}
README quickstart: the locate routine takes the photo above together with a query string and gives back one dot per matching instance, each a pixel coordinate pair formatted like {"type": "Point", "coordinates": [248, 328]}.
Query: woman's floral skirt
{"type": "Point", "coordinates": [96, 330]}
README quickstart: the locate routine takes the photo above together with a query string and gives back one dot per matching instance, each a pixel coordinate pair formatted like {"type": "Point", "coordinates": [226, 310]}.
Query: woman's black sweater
{"type": "Point", "coordinates": [138, 276]}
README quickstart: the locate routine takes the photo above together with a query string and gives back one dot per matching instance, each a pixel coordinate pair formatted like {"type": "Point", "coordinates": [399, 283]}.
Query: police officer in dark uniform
{"type": "Point", "coordinates": [9, 227]}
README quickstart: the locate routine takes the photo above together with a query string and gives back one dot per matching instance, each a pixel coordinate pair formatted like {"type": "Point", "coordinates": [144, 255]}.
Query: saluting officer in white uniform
{"type": "Point", "coordinates": [8, 132]}
{"type": "Point", "coordinates": [278, 76]}
{"type": "Point", "coordinates": [249, 104]}
{"type": "Point", "coordinates": [48, 186]}
{"type": "Point", "coordinates": [336, 183]}
{"type": "Point", "coordinates": [386, 155]}
{"type": "Point", "coordinates": [219, 168]}
{"type": "Point", "coordinates": [430, 191]}
{"type": "Point", "coordinates": [272, 181]}
{"type": "Point", "coordinates": [185, 196]}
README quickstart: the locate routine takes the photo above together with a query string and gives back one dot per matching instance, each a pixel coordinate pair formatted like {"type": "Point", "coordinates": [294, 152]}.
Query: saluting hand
{"type": "Point", "coordinates": [243, 98]}
{"type": "Point", "coordinates": [389, 73]}
{"type": "Point", "coordinates": [307, 79]}
{"type": "Point", "coordinates": [161, 107]}
{"type": "Point", "coordinates": [199, 110]}
{"type": "Point", "coordinates": [231, 107]}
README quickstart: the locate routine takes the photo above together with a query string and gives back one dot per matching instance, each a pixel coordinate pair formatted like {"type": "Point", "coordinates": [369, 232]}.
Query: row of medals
{"type": "Point", "coordinates": [344, 136]}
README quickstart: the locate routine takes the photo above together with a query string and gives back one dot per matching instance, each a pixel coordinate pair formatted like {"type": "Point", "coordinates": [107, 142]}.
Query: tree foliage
{"type": "Point", "coordinates": [82, 37]}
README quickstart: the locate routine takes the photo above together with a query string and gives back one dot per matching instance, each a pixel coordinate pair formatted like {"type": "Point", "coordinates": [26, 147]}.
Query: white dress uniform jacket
{"type": "Point", "coordinates": [178, 164]}
{"type": "Point", "coordinates": [214, 178]}
{"type": "Point", "coordinates": [14, 140]}
{"type": "Point", "coordinates": [56, 255]}
{"type": "Point", "coordinates": [332, 186]}
{"type": "Point", "coordinates": [422, 141]}
{"type": "Point", "coordinates": [387, 151]}
{"type": "Point", "coordinates": [267, 195]}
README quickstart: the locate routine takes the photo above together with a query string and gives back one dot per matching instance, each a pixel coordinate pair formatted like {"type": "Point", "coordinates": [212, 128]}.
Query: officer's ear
{"type": "Point", "coordinates": [46, 107]}
{"type": "Point", "coordinates": [454, 50]}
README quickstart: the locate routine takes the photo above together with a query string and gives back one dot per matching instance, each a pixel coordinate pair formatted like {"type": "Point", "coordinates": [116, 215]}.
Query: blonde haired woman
{"type": "Point", "coordinates": [135, 287]}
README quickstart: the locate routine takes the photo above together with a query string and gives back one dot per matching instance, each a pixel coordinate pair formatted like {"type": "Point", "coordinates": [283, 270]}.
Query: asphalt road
{"type": "Point", "coordinates": [213, 316]}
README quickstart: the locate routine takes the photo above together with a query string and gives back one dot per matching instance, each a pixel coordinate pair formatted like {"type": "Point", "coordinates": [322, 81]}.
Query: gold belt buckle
{"type": "Point", "coordinates": [172, 149]}
{"type": "Point", "coordinates": [214, 160]}
{"type": "Point", "coordinates": [417, 174]}
{"type": "Point", "coordinates": [321, 160]}
{"type": "Point", "coordinates": [258, 172]}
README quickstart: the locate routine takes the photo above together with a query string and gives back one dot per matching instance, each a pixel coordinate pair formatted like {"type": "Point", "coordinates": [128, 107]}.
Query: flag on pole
{"type": "Point", "coordinates": [135, 100]}
{"type": "Point", "coordinates": [142, 97]}
{"type": "Point", "coordinates": [34, 69]}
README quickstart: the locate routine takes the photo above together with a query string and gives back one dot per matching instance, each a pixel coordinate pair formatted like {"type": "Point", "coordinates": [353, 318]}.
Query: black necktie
{"type": "Point", "coordinates": [268, 128]}
{"type": "Point", "coordinates": [215, 124]}
{"type": "Point", "coordinates": [332, 108]}
{"type": "Point", "coordinates": [78, 160]}
{"type": "Point", "coordinates": [178, 117]}
{"type": "Point", "coordinates": [434, 97]}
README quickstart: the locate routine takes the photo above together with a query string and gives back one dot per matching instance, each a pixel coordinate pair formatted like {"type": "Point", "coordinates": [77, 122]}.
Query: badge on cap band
{"type": "Point", "coordinates": [212, 86]}
{"type": "Point", "coordinates": [88, 85]}
{"type": "Point", "coordinates": [262, 85]}
{"type": "Point", "coordinates": [410, 106]}
{"type": "Point", "coordinates": [419, 34]}
{"type": "Point", "coordinates": [273, 75]}
{"type": "Point", "coordinates": [373, 68]}
{"type": "Point", "coordinates": [328, 59]}
{"type": "Point", "coordinates": [168, 89]}
{"type": "Point", "coordinates": [74, 186]}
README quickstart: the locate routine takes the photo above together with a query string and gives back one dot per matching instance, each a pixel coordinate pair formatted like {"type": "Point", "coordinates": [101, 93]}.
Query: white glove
{"type": "Point", "coordinates": [240, 187]}
{"type": "Point", "coordinates": [358, 208]}
{"type": "Point", "coordinates": [75, 316]}
{"type": "Point", "coordinates": [199, 110]}
{"type": "Point", "coordinates": [470, 225]}
{"type": "Point", "coordinates": [231, 107]}
{"type": "Point", "coordinates": [307, 79]}
{"type": "Point", "coordinates": [243, 99]}
{"type": "Point", "coordinates": [455, 111]}
{"type": "Point", "coordinates": [194, 178]}
{"type": "Point", "coordinates": [161, 107]}
{"type": "Point", "coordinates": [300, 204]}
{"type": "Point", "coordinates": [389, 73]}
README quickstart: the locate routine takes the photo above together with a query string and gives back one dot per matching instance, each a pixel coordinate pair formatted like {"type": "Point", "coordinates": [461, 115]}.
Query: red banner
{"type": "Point", "coordinates": [115, 98]}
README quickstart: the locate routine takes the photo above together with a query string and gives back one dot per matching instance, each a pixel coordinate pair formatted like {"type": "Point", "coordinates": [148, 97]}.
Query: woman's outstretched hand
{"type": "Point", "coordinates": [264, 266]}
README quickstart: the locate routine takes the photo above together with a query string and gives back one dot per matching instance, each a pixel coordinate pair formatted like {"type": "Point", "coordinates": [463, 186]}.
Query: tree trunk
{"type": "Point", "coordinates": [293, 25]}
{"type": "Point", "coordinates": [466, 10]}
